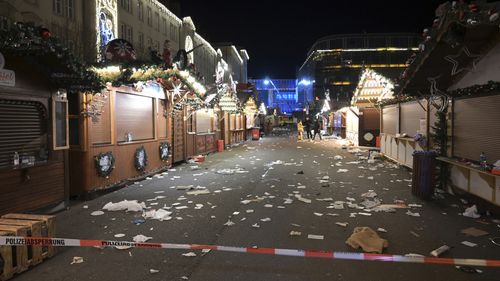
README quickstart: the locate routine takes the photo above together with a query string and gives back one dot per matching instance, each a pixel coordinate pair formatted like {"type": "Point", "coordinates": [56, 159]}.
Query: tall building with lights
{"type": "Point", "coordinates": [334, 63]}
{"type": "Point", "coordinates": [280, 94]}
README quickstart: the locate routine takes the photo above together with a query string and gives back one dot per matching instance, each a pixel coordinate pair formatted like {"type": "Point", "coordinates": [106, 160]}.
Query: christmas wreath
{"type": "Point", "coordinates": [164, 151]}
{"type": "Point", "coordinates": [104, 164]}
{"type": "Point", "coordinates": [140, 159]}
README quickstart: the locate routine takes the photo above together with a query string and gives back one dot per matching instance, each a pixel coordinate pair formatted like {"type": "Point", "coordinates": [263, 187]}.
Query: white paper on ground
{"type": "Point", "coordinates": [119, 235]}
{"type": "Point", "coordinates": [141, 238]}
{"type": "Point", "coordinates": [97, 213]}
{"type": "Point", "coordinates": [470, 244]}
{"type": "Point", "coordinates": [129, 206]}
{"type": "Point", "coordinates": [77, 260]}
{"type": "Point", "coordinates": [471, 212]}
{"type": "Point", "coordinates": [295, 233]}
{"type": "Point", "coordinates": [315, 237]}
{"type": "Point", "coordinates": [190, 254]}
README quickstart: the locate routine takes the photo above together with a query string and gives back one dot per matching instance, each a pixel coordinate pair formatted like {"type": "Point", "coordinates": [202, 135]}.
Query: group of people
{"type": "Point", "coordinates": [307, 126]}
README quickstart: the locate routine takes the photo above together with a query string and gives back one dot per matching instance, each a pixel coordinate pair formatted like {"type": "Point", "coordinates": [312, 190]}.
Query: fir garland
{"type": "Point", "coordinates": [25, 40]}
{"type": "Point", "coordinates": [440, 145]}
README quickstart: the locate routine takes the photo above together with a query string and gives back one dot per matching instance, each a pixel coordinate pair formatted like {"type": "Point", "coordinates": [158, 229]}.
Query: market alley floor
{"type": "Point", "coordinates": [264, 188]}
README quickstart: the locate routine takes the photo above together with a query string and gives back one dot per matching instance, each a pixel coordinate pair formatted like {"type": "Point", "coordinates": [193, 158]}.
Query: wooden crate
{"type": "Point", "coordinates": [35, 230]}
{"type": "Point", "coordinates": [6, 265]}
{"type": "Point", "coordinates": [21, 252]}
{"type": "Point", "coordinates": [48, 228]}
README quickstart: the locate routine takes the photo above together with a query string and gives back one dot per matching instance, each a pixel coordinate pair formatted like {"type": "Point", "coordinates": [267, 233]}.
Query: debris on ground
{"type": "Point", "coordinates": [367, 239]}
{"type": "Point", "coordinates": [471, 212]}
{"type": "Point", "coordinates": [437, 252]}
{"type": "Point", "coordinates": [152, 271]}
{"type": "Point", "coordinates": [469, 244]}
{"type": "Point", "coordinates": [315, 237]}
{"type": "Point", "coordinates": [125, 205]}
{"type": "Point", "coordinates": [229, 223]}
{"type": "Point", "coordinates": [474, 232]}
{"type": "Point", "coordinates": [141, 238]}
{"type": "Point", "coordinates": [190, 254]}
{"type": "Point", "coordinates": [302, 199]}
{"type": "Point", "coordinates": [343, 224]}
{"type": "Point", "coordinates": [159, 214]}
{"type": "Point", "coordinates": [97, 213]}
{"type": "Point", "coordinates": [295, 233]}
{"type": "Point", "coordinates": [77, 260]}
{"type": "Point", "coordinates": [410, 213]}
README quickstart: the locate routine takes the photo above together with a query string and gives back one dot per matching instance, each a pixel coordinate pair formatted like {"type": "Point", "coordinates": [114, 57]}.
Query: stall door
{"type": "Point", "coordinates": [178, 136]}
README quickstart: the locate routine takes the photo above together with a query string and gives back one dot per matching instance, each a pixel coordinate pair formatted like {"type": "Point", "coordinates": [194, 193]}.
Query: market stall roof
{"type": "Point", "coordinates": [372, 88]}
{"type": "Point", "coordinates": [460, 36]}
{"type": "Point", "coordinates": [36, 46]}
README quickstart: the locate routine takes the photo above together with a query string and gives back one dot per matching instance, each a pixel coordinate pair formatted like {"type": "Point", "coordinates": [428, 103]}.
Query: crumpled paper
{"type": "Point", "coordinates": [471, 212]}
{"type": "Point", "coordinates": [129, 206]}
{"type": "Point", "coordinates": [367, 239]}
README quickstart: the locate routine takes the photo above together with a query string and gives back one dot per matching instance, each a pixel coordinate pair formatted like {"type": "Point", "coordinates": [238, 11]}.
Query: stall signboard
{"type": "Point", "coordinates": [7, 77]}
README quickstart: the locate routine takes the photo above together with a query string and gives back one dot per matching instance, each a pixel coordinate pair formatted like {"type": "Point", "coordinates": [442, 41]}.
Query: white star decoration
{"type": "Point", "coordinates": [452, 58]}
{"type": "Point", "coordinates": [439, 99]}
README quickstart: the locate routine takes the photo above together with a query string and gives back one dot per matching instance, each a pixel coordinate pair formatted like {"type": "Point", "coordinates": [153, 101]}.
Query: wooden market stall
{"type": "Point", "coordinates": [37, 76]}
{"type": "Point", "coordinates": [202, 132]}
{"type": "Point", "coordinates": [130, 131]}
{"type": "Point", "coordinates": [232, 122]}
{"type": "Point", "coordinates": [362, 118]}
{"type": "Point", "coordinates": [251, 120]}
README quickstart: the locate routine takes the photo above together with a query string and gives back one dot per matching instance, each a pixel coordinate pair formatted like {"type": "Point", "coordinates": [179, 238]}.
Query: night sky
{"type": "Point", "coordinates": [278, 34]}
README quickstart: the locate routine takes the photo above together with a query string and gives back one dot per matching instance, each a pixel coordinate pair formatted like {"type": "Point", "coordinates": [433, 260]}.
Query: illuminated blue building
{"type": "Point", "coordinates": [279, 93]}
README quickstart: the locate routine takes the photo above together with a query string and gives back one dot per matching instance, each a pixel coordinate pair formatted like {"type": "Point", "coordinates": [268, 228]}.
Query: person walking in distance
{"type": "Point", "coordinates": [307, 125]}
{"type": "Point", "coordinates": [317, 129]}
{"type": "Point", "coordinates": [300, 131]}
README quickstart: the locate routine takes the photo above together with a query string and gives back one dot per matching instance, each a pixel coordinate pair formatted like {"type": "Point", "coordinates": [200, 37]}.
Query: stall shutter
{"type": "Point", "coordinates": [476, 128]}
{"type": "Point", "coordinates": [411, 113]}
{"type": "Point", "coordinates": [390, 119]}
{"type": "Point", "coordinates": [22, 130]}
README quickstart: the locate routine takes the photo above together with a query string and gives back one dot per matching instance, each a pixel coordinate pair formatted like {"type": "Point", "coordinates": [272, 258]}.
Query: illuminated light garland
{"type": "Point", "coordinates": [380, 87]}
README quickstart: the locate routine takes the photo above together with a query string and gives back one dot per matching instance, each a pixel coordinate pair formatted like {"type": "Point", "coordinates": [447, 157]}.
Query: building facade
{"type": "Point", "coordinates": [279, 94]}
{"type": "Point", "coordinates": [86, 27]}
{"type": "Point", "coordinates": [334, 63]}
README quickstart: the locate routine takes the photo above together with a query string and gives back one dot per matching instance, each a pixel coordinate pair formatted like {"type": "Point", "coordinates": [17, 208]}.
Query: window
{"type": "Point", "coordinates": [57, 7]}
{"type": "Point", "coordinates": [126, 5]}
{"type": "Point", "coordinates": [165, 26]}
{"type": "Point", "coordinates": [149, 16]}
{"type": "Point", "coordinates": [141, 41]}
{"type": "Point", "coordinates": [150, 42]}
{"type": "Point", "coordinates": [123, 30]}
{"type": "Point", "coordinates": [60, 132]}
{"type": "Point", "coordinates": [157, 46]}
{"type": "Point", "coordinates": [23, 129]}
{"type": "Point", "coordinates": [130, 34]}
{"type": "Point", "coordinates": [134, 116]}
{"type": "Point", "coordinates": [173, 32]}
{"type": "Point", "coordinates": [71, 9]}
{"type": "Point", "coordinates": [140, 11]}
{"type": "Point", "coordinates": [157, 21]}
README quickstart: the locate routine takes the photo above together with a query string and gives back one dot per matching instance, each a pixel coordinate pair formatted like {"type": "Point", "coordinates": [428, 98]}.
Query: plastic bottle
{"type": "Point", "coordinates": [482, 161]}
{"type": "Point", "coordinates": [16, 159]}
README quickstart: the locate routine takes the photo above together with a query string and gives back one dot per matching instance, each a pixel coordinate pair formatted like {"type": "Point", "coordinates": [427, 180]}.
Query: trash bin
{"type": "Point", "coordinates": [220, 145]}
{"type": "Point", "coordinates": [424, 165]}
{"type": "Point", "coordinates": [255, 133]}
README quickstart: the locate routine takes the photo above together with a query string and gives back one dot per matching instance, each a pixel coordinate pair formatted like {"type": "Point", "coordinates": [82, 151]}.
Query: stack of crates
{"type": "Point", "coordinates": [16, 259]}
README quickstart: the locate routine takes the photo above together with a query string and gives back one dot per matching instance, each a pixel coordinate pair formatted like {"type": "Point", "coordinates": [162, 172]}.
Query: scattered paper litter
{"type": "Point", "coordinates": [343, 224]}
{"type": "Point", "coordinates": [295, 233]}
{"type": "Point", "coordinates": [249, 211]}
{"type": "Point", "coordinates": [325, 199]}
{"type": "Point", "coordinates": [190, 254]}
{"type": "Point", "coordinates": [198, 192]}
{"type": "Point", "coordinates": [160, 214]}
{"type": "Point", "coordinates": [268, 206]}
{"type": "Point", "coordinates": [470, 244]}
{"type": "Point", "coordinates": [265, 219]}
{"type": "Point", "coordinates": [129, 206]}
{"type": "Point", "coordinates": [77, 260]}
{"type": "Point", "coordinates": [338, 157]}
{"type": "Point", "coordinates": [369, 194]}
{"type": "Point", "coordinates": [475, 232]}
{"type": "Point", "coordinates": [97, 213]}
{"type": "Point", "coordinates": [380, 229]}
{"type": "Point", "coordinates": [288, 201]}
{"type": "Point", "coordinates": [85, 206]}
{"type": "Point", "coordinates": [364, 214]}
{"type": "Point", "coordinates": [302, 199]}
{"type": "Point", "coordinates": [119, 235]}
{"type": "Point", "coordinates": [152, 271]}
{"type": "Point", "coordinates": [318, 214]}
{"type": "Point", "coordinates": [229, 223]}
{"type": "Point", "coordinates": [410, 213]}
{"type": "Point", "coordinates": [141, 238]}
{"type": "Point", "coordinates": [471, 212]}
{"type": "Point", "coordinates": [255, 225]}
{"type": "Point", "coordinates": [315, 237]}
{"type": "Point", "coordinates": [342, 170]}
{"type": "Point", "coordinates": [367, 239]}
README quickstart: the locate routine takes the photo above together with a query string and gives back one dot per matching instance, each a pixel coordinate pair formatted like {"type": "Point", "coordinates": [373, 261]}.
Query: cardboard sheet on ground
{"type": "Point", "coordinates": [367, 239]}
{"type": "Point", "coordinates": [475, 232]}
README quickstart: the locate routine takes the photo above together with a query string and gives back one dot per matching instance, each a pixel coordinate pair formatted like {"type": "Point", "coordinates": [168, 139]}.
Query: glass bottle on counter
{"type": "Point", "coordinates": [16, 159]}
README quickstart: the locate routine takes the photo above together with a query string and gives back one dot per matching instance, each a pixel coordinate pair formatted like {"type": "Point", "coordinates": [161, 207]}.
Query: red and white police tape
{"type": "Point", "coordinates": [63, 242]}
